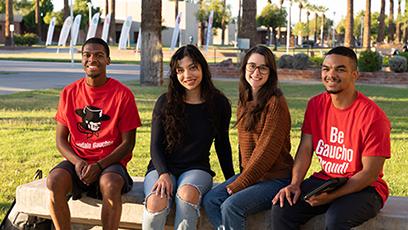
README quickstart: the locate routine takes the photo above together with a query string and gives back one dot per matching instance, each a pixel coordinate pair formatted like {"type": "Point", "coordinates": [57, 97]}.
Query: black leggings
{"type": "Point", "coordinates": [343, 213]}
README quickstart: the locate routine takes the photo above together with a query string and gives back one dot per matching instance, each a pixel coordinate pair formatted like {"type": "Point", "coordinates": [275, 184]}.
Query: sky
{"type": "Point", "coordinates": [337, 6]}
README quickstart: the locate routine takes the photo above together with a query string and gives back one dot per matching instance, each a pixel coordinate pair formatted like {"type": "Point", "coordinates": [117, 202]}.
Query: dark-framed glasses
{"type": "Point", "coordinates": [251, 67]}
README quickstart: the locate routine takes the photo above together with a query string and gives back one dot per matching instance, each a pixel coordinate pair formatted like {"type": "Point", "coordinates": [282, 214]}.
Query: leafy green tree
{"type": "Point", "coordinates": [21, 7]}
{"type": "Point", "coordinates": [29, 19]}
{"type": "Point", "coordinates": [300, 29]}
{"type": "Point", "coordinates": [272, 17]}
{"type": "Point", "coordinates": [222, 15]}
{"type": "Point", "coordinates": [59, 18]}
{"type": "Point", "coordinates": [81, 7]}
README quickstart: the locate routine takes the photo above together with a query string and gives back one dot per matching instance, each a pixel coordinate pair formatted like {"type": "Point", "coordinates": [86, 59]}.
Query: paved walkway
{"type": "Point", "coordinates": [17, 76]}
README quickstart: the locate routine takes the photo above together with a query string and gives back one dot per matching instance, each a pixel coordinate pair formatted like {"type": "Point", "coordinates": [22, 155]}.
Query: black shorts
{"type": "Point", "coordinates": [78, 187]}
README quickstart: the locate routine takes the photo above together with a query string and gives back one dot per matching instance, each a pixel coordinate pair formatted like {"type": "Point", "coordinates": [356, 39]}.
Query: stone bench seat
{"type": "Point", "coordinates": [32, 199]}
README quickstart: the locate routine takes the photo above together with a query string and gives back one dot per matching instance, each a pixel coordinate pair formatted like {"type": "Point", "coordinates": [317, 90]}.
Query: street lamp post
{"type": "Point", "coordinates": [288, 27]}
{"type": "Point", "coordinates": [71, 44]}
{"type": "Point", "coordinates": [90, 12]}
{"type": "Point", "coordinates": [12, 34]}
{"type": "Point", "coordinates": [361, 30]}
{"type": "Point", "coordinates": [333, 34]}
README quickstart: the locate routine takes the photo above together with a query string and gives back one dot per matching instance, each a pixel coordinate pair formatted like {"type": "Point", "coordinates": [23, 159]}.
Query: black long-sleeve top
{"type": "Point", "coordinates": [198, 136]}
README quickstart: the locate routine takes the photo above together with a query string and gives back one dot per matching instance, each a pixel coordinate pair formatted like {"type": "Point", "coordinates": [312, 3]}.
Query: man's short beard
{"type": "Point", "coordinates": [334, 91]}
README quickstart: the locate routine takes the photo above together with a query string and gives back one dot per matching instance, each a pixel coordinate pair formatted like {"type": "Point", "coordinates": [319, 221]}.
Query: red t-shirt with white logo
{"type": "Point", "coordinates": [341, 137]}
{"type": "Point", "coordinates": [96, 117]}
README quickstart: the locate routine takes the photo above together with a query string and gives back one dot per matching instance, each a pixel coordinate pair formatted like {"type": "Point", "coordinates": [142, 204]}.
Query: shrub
{"type": "Point", "coordinates": [386, 60]}
{"type": "Point", "coordinates": [317, 61]}
{"type": "Point", "coordinates": [27, 39]}
{"type": "Point", "coordinates": [405, 55]}
{"type": "Point", "coordinates": [398, 64]}
{"type": "Point", "coordinates": [286, 61]}
{"type": "Point", "coordinates": [300, 61]}
{"type": "Point", "coordinates": [369, 61]}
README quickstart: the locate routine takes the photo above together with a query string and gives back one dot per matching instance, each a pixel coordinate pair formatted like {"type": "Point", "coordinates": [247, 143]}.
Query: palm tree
{"type": "Point", "coordinates": [112, 27]}
{"type": "Point", "coordinates": [381, 24]}
{"type": "Point", "coordinates": [391, 25]}
{"type": "Point", "coordinates": [106, 7]}
{"type": "Point", "coordinates": [321, 10]}
{"type": "Point", "coordinates": [38, 18]}
{"type": "Point", "coordinates": [201, 26]}
{"type": "Point", "coordinates": [399, 23]}
{"type": "Point", "coordinates": [224, 5]}
{"type": "Point", "coordinates": [151, 72]}
{"type": "Point", "coordinates": [248, 23]}
{"type": "Point", "coordinates": [66, 9]}
{"type": "Point", "coordinates": [315, 10]}
{"type": "Point", "coordinates": [349, 39]}
{"type": "Point", "coordinates": [280, 7]}
{"type": "Point", "coordinates": [367, 26]}
{"type": "Point", "coordinates": [9, 20]}
{"type": "Point", "coordinates": [301, 3]}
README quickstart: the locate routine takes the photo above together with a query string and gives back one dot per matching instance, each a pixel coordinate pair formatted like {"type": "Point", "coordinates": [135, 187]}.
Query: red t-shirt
{"type": "Point", "coordinates": [341, 137]}
{"type": "Point", "coordinates": [96, 117]}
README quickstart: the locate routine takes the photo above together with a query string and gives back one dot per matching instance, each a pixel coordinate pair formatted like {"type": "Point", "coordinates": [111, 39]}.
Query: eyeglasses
{"type": "Point", "coordinates": [251, 67]}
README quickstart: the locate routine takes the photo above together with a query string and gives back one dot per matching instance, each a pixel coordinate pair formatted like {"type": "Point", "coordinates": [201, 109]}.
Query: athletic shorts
{"type": "Point", "coordinates": [78, 187]}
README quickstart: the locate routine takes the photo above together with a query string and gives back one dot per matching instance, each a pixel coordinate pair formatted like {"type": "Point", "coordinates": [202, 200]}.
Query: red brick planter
{"type": "Point", "coordinates": [380, 77]}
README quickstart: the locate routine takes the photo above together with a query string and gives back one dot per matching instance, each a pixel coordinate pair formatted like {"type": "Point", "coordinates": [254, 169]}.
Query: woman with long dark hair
{"type": "Point", "coordinates": [263, 123]}
{"type": "Point", "coordinates": [186, 120]}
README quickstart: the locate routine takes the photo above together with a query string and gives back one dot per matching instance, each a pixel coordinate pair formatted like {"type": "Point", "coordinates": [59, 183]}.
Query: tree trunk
{"type": "Point", "coordinates": [315, 28]}
{"type": "Point", "coordinates": [151, 72]}
{"type": "Point", "coordinates": [307, 24]}
{"type": "Point", "coordinates": [9, 21]}
{"type": "Point", "coordinates": [223, 23]}
{"type": "Point", "coordinates": [106, 7]}
{"type": "Point", "coordinates": [348, 39]}
{"type": "Point", "coordinates": [391, 24]}
{"type": "Point", "coordinates": [279, 28]}
{"type": "Point", "coordinates": [112, 27]}
{"type": "Point", "coordinates": [38, 19]}
{"type": "Point", "coordinates": [381, 25]}
{"type": "Point", "coordinates": [201, 28]}
{"type": "Point", "coordinates": [248, 23]}
{"type": "Point", "coordinates": [322, 29]}
{"type": "Point", "coordinates": [66, 9]}
{"type": "Point", "coordinates": [398, 26]}
{"type": "Point", "coordinates": [367, 26]}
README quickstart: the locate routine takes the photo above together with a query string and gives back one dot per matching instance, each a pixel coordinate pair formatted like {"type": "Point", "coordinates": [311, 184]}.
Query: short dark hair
{"type": "Point", "coordinates": [100, 41]}
{"type": "Point", "coordinates": [344, 51]}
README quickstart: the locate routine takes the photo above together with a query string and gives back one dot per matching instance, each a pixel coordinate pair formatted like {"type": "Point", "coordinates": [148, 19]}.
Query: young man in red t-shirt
{"type": "Point", "coordinates": [96, 119]}
{"type": "Point", "coordinates": [350, 135]}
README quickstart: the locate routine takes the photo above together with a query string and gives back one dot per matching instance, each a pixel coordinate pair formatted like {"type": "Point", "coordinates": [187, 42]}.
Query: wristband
{"type": "Point", "coordinates": [99, 165]}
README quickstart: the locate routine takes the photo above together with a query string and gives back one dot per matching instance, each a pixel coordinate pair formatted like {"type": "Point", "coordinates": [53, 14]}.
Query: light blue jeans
{"type": "Point", "coordinates": [186, 213]}
{"type": "Point", "coordinates": [230, 211]}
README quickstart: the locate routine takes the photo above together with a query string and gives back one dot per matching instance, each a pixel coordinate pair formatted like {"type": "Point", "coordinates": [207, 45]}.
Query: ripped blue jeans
{"type": "Point", "coordinates": [186, 213]}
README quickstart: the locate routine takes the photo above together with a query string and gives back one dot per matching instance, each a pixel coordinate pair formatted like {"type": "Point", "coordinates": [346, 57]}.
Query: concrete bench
{"type": "Point", "coordinates": [33, 200]}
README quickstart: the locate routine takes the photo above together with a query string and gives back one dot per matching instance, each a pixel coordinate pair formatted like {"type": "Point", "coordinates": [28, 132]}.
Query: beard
{"type": "Point", "coordinates": [336, 80]}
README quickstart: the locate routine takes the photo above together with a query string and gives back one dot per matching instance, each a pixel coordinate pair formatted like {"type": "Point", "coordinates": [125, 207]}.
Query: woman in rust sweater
{"type": "Point", "coordinates": [263, 123]}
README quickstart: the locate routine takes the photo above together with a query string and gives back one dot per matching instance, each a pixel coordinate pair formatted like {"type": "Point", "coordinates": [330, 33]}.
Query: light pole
{"type": "Point", "coordinates": [333, 35]}
{"type": "Point", "coordinates": [90, 12]}
{"type": "Point", "coordinates": [288, 27]}
{"type": "Point", "coordinates": [71, 44]}
{"type": "Point", "coordinates": [361, 30]}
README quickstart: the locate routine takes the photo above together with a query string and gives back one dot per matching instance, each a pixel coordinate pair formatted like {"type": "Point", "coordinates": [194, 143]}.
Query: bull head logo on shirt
{"type": "Point", "coordinates": [92, 118]}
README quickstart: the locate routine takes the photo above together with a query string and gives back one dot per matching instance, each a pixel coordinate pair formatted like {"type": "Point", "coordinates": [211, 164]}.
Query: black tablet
{"type": "Point", "coordinates": [329, 185]}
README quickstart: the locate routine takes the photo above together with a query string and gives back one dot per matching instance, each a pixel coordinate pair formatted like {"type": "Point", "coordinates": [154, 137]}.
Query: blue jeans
{"type": "Point", "coordinates": [230, 211]}
{"type": "Point", "coordinates": [186, 213]}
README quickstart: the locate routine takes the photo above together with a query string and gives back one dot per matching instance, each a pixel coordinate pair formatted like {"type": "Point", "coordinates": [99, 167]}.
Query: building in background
{"type": "Point", "coordinates": [17, 25]}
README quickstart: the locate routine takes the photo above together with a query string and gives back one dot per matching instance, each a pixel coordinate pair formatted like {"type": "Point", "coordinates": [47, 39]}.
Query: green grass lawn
{"type": "Point", "coordinates": [27, 132]}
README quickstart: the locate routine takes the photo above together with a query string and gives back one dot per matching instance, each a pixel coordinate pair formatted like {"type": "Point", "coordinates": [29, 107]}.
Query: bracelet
{"type": "Point", "coordinates": [99, 165]}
